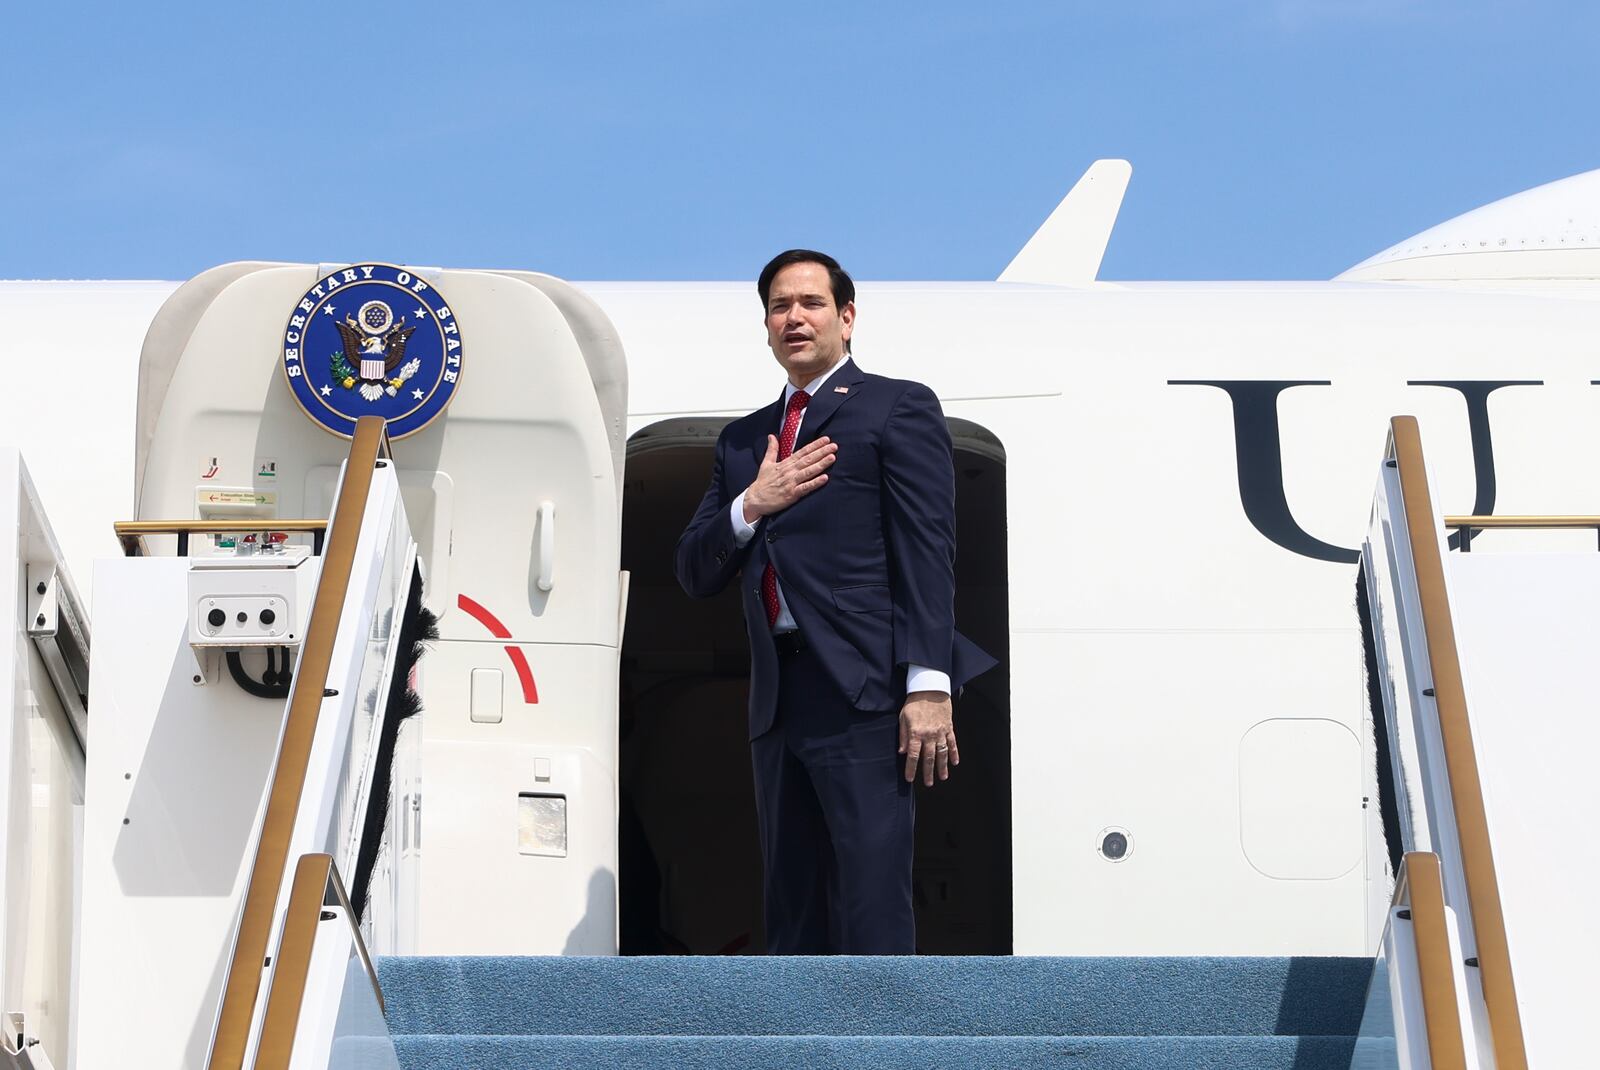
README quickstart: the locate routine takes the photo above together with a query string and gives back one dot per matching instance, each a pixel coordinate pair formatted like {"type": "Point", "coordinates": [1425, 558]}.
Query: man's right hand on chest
{"type": "Point", "coordinates": [779, 484]}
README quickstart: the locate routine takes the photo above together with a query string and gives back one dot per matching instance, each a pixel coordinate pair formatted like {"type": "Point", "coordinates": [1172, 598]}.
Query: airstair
{"type": "Point", "coordinates": [247, 828]}
{"type": "Point", "coordinates": [1480, 633]}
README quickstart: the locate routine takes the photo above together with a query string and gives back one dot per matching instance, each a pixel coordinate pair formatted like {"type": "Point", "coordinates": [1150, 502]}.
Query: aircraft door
{"type": "Point", "coordinates": [508, 775]}
{"type": "Point", "coordinates": [512, 794]}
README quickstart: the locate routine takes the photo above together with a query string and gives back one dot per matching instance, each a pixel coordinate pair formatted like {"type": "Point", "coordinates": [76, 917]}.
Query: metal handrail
{"type": "Point", "coordinates": [131, 533]}
{"type": "Point", "coordinates": [1530, 521]}
{"type": "Point", "coordinates": [1455, 728]}
{"type": "Point", "coordinates": [1471, 525]}
{"type": "Point", "coordinates": [1420, 890]}
{"type": "Point", "coordinates": [316, 882]}
{"type": "Point", "coordinates": [242, 982]}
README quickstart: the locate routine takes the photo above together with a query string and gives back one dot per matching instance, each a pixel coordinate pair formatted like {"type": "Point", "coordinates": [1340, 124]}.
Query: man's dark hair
{"type": "Point", "coordinates": [844, 288]}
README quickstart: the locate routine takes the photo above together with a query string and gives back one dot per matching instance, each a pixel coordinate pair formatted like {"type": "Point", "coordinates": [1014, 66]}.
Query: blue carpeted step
{"type": "Point", "coordinates": [844, 996]}
{"type": "Point", "coordinates": [874, 1053]}
{"type": "Point", "coordinates": [363, 1053]}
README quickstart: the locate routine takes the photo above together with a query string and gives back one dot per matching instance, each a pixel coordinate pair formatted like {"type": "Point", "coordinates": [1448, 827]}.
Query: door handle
{"type": "Point", "coordinates": [547, 545]}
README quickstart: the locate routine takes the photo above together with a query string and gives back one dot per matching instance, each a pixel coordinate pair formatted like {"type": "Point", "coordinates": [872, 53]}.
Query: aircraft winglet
{"type": "Point", "coordinates": [1067, 249]}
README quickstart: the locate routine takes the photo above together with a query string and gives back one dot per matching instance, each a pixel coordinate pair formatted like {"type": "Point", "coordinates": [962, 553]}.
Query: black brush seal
{"type": "Point", "coordinates": [419, 628]}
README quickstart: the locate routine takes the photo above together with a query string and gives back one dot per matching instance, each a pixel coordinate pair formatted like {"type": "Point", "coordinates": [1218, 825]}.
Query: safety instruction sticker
{"type": "Point", "coordinates": [255, 499]}
{"type": "Point", "coordinates": [266, 469]}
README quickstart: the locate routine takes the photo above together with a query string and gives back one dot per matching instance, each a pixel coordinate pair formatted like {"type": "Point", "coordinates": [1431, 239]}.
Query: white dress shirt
{"type": "Point", "coordinates": [918, 677]}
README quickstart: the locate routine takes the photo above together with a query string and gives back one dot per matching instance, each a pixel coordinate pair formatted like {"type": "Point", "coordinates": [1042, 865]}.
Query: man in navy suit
{"type": "Point", "coordinates": [834, 510]}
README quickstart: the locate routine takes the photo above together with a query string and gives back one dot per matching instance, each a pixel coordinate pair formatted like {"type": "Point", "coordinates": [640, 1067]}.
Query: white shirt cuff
{"type": "Point", "coordinates": [742, 532]}
{"type": "Point", "coordinates": [922, 678]}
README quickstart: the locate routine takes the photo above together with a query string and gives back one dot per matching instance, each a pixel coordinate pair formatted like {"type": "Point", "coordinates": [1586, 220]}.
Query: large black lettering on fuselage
{"type": "Point", "coordinates": [1258, 454]}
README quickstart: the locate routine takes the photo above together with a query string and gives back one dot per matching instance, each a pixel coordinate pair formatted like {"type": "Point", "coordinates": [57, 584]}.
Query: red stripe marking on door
{"type": "Point", "coordinates": [519, 660]}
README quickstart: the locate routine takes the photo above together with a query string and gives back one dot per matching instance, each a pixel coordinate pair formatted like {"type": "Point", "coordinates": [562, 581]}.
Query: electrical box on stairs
{"type": "Point", "coordinates": [256, 599]}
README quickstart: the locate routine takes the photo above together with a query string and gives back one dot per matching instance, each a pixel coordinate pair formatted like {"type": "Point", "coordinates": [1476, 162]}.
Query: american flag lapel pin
{"type": "Point", "coordinates": [841, 390]}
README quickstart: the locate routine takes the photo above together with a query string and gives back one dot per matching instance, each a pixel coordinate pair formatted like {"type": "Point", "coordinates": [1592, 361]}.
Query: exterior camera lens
{"type": "Point", "coordinates": [1114, 846]}
{"type": "Point", "coordinates": [268, 616]}
{"type": "Point", "coordinates": [216, 618]}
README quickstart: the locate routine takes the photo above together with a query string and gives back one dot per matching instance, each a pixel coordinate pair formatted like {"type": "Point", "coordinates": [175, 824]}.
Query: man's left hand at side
{"type": "Point", "coordinates": [928, 736]}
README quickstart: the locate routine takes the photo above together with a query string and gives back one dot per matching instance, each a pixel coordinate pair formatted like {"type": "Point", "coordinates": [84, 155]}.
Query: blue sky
{"type": "Point", "coordinates": [1270, 139]}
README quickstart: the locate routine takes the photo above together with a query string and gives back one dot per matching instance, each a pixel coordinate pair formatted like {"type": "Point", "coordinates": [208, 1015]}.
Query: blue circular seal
{"type": "Point", "coordinates": [372, 340]}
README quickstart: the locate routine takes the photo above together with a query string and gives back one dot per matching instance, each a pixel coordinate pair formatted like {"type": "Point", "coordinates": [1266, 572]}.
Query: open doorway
{"type": "Point", "coordinates": [690, 863]}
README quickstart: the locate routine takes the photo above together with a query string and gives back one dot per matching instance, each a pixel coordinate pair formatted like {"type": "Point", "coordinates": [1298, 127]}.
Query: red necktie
{"type": "Point", "coordinates": [791, 424]}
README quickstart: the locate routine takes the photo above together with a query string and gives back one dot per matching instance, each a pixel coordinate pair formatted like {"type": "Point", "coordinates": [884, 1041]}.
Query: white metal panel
{"type": "Point", "coordinates": [55, 804]}
{"type": "Point", "coordinates": [1527, 626]}
{"type": "Point", "coordinates": [480, 894]}
{"type": "Point", "coordinates": [176, 778]}
{"type": "Point", "coordinates": [164, 346]}
{"type": "Point", "coordinates": [1300, 798]}
{"type": "Point", "coordinates": [473, 774]}
{"type": "Point", "coordinates": [15, 782]}
{"type": "Point", "coordinates": [71, 353]}
{"type": "Point", "coordinates": [41, 773]}
{"type": "Point", "coordinates": [1145, 735]}
{"type": "Point", "coordinates": [602, 353]}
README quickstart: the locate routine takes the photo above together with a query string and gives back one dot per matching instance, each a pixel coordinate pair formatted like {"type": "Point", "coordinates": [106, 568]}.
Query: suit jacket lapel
{"type": "Point", "coordinates": [820, 409]}
{"type": "Point", "coordinates": [756, 448]}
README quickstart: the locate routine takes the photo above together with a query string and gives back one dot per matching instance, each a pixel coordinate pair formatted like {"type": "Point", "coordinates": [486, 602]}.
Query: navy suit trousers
{"type": "Point", "coordinates": [836, 817]}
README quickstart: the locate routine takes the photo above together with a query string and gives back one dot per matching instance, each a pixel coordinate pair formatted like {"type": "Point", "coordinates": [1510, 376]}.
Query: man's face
{"type": "Point", "coordinates": [806, 331]}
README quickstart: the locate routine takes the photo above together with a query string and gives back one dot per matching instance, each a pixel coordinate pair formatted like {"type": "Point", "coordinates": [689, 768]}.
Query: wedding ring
{"type": "Point", "coordinates": [941, 747]}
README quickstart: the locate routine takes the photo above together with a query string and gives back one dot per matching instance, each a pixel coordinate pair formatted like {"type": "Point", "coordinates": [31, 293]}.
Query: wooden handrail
{"type": "Point", "coordinates": [314, 878]}
{"type": "Point", "coordinates": [131, 533]}
{"type": "Point", "coordinates": [1420, 889]}
{"type": "Point", "coordinates": [1534, 521]}
{"type": "Point", "coordinates": [1466, 785]}
{"type": "Point", "coordinates": [243, 980]}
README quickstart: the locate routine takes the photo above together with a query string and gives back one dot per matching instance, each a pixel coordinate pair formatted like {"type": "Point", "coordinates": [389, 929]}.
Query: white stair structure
{"type": "Point", "coordinates": [224, 806]}
{"type": "Point", "coordinates": [1484, 660]}
{"type": "Point", "coordinates": [44, 667]}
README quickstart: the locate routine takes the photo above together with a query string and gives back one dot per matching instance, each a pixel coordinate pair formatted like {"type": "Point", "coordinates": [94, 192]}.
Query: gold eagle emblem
{"type": "Point", "coordinates": [374, 352]}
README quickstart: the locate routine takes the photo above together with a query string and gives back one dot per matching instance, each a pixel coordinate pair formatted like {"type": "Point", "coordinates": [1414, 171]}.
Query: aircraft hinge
{"type": "Point", "coordinates": [416, 820]}
{"type": "Point", "coordinates": [18, 1050]}
{"type": "Point", "coordinates": [44, 611]}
